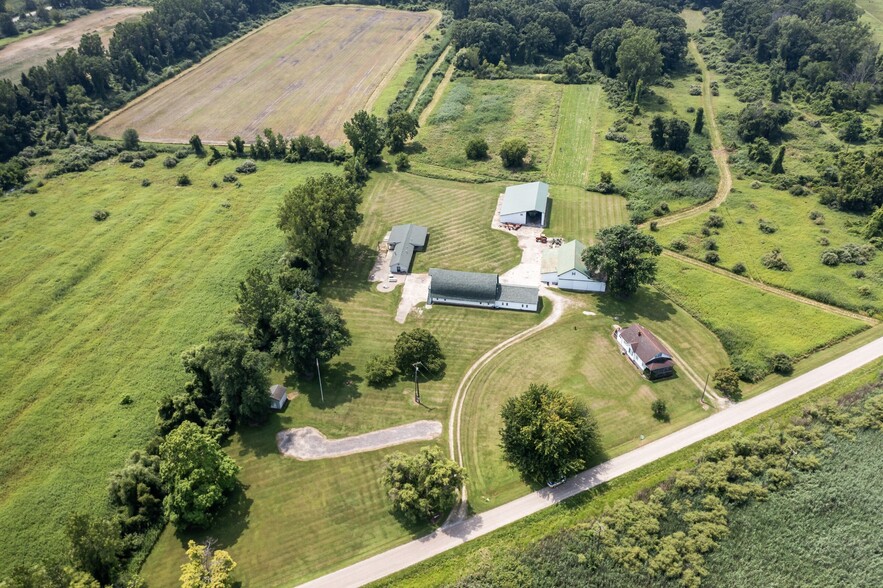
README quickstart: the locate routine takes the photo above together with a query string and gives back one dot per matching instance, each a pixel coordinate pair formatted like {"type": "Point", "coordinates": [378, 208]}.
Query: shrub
{"type": "Point", "coordinates": [402, 162]}
{"type": "Point", "coordinates": [126, 400]}
{"type": "Point", "coordinates": [715, 221]}
{"type": "Point", "coordinates": [774, 261]}
{"type": "Point", "coordinates": [513, 152]}
{"type": "Point", "coordinates": [126, 157]}
{"type": "Point", "coordinates": [858, 274]}
{"type": "Point", "coordinates": [170, 162]}
{"type": "Point", "coordinates": [247, 167]}
{"type": "Point", "coordinates": [782, 364]}
{"type": "Point", "coordinates": [668, 166]}
{"type": "Point", "coordinates": [712, 257]}
{"type": "Point", "coordinates": [100, 215]}
{"type": "Point", "coordinates": [766, 226]}
{"type": "Point", "coordinates": [830, 258]}
{"type": "Point", "coordinates": [678, 245]}
{"type": "Point", "coordinates": [184, 180]}
{"type": "Point", "coordinates": [181, 154]}
{"type": "Point", "coordinates": [797, 190]}
{"type": "Point", "coordinates": [817, 217]}
{"type": "Point", "coordinates": [616, 137]}
{"type": "Point", "coordinates": [654, 226]}
{"type": "Point", "coordinates": [381, 370]}
{"type": "Point", "coordinates": [726, 380]}
{"type": "Point", "coordinates": [739, 268]}
{"type": "Point", "coordinates": [32, 213]}
{"type": "Point", "coordinates": [606, 185]}
{"type": "Point", "coordinates": [823, 241]}
{"type": "Point", "coordinates": [660, 410]}
{"type": "Point", "coordinates": [145, 182]}
{"type": "Point", "coordinates": [710, 245]}
{"type": "Point", "coordinates": [130, 140]}
{"type": "Point", "coordinates": [137, 163]}
{"type": "Point", "coordinates": [865, 291]}
{"type": "Point", "coordinates": [230, 178]}
{"type": "Point", "coordinates": [476, 148]}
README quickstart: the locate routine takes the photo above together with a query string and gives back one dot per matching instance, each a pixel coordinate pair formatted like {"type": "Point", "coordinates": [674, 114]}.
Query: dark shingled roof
{"type": "Point", "coordinates": [519, 294]}
{"type": "Point", "coordinates": [405, 239]}
{"type": "Point", "coordinates": [646, 346]}
{"type": "Point", "coordinates": [463, 285]}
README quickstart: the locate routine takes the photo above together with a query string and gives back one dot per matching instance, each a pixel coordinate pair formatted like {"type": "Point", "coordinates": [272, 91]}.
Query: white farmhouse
{"type": "Point", "coordinates": [526, 204]}
{"type": "Point", "coordinates": [563, 267]}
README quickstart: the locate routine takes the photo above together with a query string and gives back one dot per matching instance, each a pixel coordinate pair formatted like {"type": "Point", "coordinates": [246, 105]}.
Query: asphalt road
{"type": "Point", "coordinates": [399, 558]}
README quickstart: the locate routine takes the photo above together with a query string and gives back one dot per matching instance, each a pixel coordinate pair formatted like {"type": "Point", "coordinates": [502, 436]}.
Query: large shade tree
{"type": "Point", "coordinates": [625, 255]}
{"type": "Point", "coordinates": [639, 58]}
{"type": "Point", "coordinates": [197, 476]}
{"type": "Point", "coordinates": [319, 218]}
{"type": "Point", "coordinates": [308, 330]}
{"type": "Point", "coordinates": [367, 136]}
{"type": "Point", "coordinates": [422, 486]}
{"type": "Point", "coordinates": [548, 435]}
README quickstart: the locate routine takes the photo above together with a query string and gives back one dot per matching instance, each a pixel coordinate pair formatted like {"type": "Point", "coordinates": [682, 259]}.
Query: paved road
{"type": "Point", "coordinates": [406, 555]}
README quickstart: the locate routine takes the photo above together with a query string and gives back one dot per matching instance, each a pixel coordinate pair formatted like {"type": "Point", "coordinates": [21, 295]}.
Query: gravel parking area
{"type": "Point", "coordinates": [307, 443]}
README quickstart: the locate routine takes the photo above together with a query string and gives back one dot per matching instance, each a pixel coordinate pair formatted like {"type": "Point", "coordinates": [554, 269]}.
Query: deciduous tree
{"type": "Point", "coordinates": [95, 546]}
{"type": "Point", "coordinates": [401, 127]}
{"type": "Point", "coordinates": [206, 567]}
{"type": "Point", "coordinates": [418, 345]}
{"type": "Point", "coordinates": [422, 486]}
{"type": "Point", "coordinates": [307, 329]}
{"type": "Point", "coordinates": [131, 141]}
{"type": "Point", "coordinates": [513, 152]}
{"type": "Point", "coordinates": [639, 58]}
{"type": "Point", "coordinates": [547, 435]}
{"type": "Point", "coordinates": [626, 256]}
{"type": "Point", "coordinates": [365, 133]}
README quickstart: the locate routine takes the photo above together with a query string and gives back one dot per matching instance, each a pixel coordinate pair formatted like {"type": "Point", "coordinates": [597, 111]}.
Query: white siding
{"type": "Point", "coordinates": [549, 278]}
{"type": "Point", "coordinates": [459, 302]}
{"type": "Point", "coordinates": [581, 285]}
{"type": "Point", "coordinates": [516, 306]}
{"type": "Point", "coordinates": [519, 218]}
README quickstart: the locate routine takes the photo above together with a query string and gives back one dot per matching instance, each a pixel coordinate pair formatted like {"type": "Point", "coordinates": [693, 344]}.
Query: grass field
{"type": "Point", "coordinates": [338, 503]}
{"type": "Point", "coordinates": [305, 73]}
{"type": "Point", "coordinates": [93, 311]}
{"type": "Point", "coordinates": [799, 238]}
{"type": "Point", "coordinates": [19, 56]}
{"type": "Point", "coordinates": [577, 137]}
{"type": "Point", "coordinates": [495, 110]}
{"type": "Point", "coordinates": [873, 16]}
{"type": "Point", "coordinates": [578, 214]}
{"type": "Point", "coordinates": [454, 564]}
{"type": "Point", "coordinates": [752, 324]}
{"type": "Point", "coordinates": [579, 356]}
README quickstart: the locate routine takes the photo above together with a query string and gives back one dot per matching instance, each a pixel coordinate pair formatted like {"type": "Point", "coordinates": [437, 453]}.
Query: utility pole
{"type": "Point", "coordinates": [321, 391]}
{"type": "Point", "coordinates": [416, 382]}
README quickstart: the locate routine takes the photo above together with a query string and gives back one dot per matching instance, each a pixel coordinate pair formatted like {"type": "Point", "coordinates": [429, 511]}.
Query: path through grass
{"type": "Point", "coordinates": [576, 136]}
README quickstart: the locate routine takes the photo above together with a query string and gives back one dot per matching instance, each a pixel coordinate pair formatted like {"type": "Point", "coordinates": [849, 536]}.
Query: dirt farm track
{"type": "Point", "coordinates": [307, 72]}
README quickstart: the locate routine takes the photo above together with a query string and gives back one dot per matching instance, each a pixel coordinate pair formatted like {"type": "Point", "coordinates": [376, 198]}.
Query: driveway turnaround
{"type": "Point", "coordinates": [448, 537]}
{"type": "Point", "coordinates": [307, 443]}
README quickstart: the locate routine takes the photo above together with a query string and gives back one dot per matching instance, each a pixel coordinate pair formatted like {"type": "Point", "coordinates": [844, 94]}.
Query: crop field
{"type": "Point", "coordinates": [19, 56]}
{"type": "Point", "coordinates": [495, 110]}
{"type": "Point", "coordinates": [91, 312]}
{"type": "Point", "coordinates": [305, 73]}
{"type": "Point", "coordinates": [338, 503]}
{"type": "Point", "coordinates": [579, 356]}
{"type": "Point", "coordinates": [800, 239]}
{"type": "Point", "coordinates": [752, 324]}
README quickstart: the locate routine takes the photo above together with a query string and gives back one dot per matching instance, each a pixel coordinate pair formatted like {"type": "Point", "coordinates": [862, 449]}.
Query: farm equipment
{"type": "Point", "coordinates": [542, 238]}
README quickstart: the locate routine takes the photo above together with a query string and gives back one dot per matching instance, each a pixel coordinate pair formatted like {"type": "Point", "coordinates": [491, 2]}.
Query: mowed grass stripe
{"type": "Point", "coordinates": [572, 156]}
{"type": "Point", "coordinates": [579, 214]}
{"type": "Point", "coordinates": [156, 277]}
{"type": "Point", "coordinates": [305, 73]}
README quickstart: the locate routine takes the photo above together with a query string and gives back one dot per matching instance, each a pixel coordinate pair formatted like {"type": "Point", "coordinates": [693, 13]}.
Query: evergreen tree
{"type": "Point", "coordinates": [700, 121]}
{"type": "Point", "coordinates": [777, 167]}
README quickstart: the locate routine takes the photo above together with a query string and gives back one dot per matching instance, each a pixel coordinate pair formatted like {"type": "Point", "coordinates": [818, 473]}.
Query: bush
{"type": "Point", "coordinates": [660, 410]}
{"type": "Point", "coordinates": [654, 226]}
{"type": "Point", "coordinates": [130, 140]}
{"type": "Point", "coordinates": [100, 215]}
{"type": "Point", "coordinates": [714, 221]}
{"type": "Point", "coordinates": [774, 261]}
{"type": "Point", "coordinates": [181, 154]}
{"type": "Point", "coordinates": [170, 162]}
{"type": "Point", "coordinates": [726, 381]}
{"type": "Point", "coordinates": [230, 178]}
{"type": "Point", "coordinates": [126, 157]}
{"type": "Point", "coordinates": [766, 226]}
{"type": "Point", "coordinates": [710, 245]}
{"type": "Point", "coordinates": [381, 370]}
{"type": "Point", "coordinates": [184, 180]}
{"type": "Point", "coordinates": [782, 364]}
{"type": "Point", "coordinates": [402, 162]}
{"type": "Point", "coordinates": [668, 166]}
{"type": "Point", "coordinates": [739, 268]}
{"type": "Point", "coordinates": [616, 137]}
{"type": "Point", "coordinates": [145, 182]}
{"type": "Point", "coordinates": [137, 163]}
{"type": "Point", "coordinates": [247, 167]}
{"type": "Point", "coordinates": [830, 258]}
{"type": "Point", "coordinates": [476, 148]}
{"type": "Point", "coordinates": [678, 245]}
{"type": "Point", "coordinates": [513, 152]}
{"type": "Point", "coordinates": [797, 190]}
{"type": "Point", "coordinates": [32, 213]}
{"type": "Point", "coordinates": [712, 257]}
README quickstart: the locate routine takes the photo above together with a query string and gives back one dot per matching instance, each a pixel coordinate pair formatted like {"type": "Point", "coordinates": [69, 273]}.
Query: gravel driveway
{"type": "Point", "coordinates": [307, 443]}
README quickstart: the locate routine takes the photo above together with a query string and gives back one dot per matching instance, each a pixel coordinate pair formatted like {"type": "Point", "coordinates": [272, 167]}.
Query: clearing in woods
{"type": "Point", "coordinates": [305, 73]}
{"type": "Point", "coordinates": [20, 56]}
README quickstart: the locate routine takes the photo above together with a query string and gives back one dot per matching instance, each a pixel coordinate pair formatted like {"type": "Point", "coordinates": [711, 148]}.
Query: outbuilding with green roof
{"type": "Point", "coordinates": [563, 267]}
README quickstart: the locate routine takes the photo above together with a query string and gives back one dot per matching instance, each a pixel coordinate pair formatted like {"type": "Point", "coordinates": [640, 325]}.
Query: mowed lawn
{"type": "Point", "coordinates": [305, 73]}
{"type": "Point", "coordinates": [751, 323]}
{"type": "Point", "coordinates": [577, 135]}
{"type": "Point", "coordinates": [579, 356]}
{"type": "Point", "coordinates": [317, 516]}
{"type": "Point", "coordinates": [873, 16]}
{"type": "Point", "coordinates": [91, 312]}
{"type": "Point", "coordinates": [21, 55]}
{"type": "Point", "coordinates": [495, 110]}
{"type": "Point", "coordinates": [579, 214]}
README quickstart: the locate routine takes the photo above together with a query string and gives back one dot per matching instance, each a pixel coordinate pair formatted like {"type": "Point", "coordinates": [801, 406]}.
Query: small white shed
{"type": "Point", "coordinates": [278, 396]}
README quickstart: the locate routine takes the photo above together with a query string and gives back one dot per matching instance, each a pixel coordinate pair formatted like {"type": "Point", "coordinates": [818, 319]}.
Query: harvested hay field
{"type": "Point", "coordinates": [307, 72]}
{"type": "Point", "coordinates": [22, 55]}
